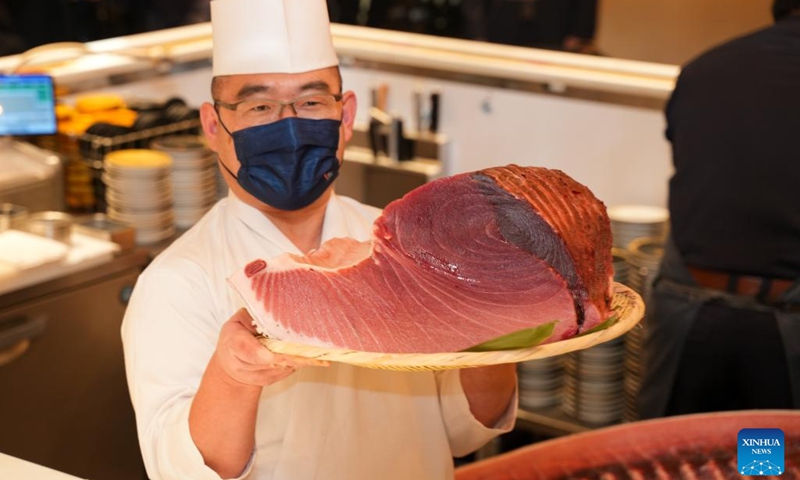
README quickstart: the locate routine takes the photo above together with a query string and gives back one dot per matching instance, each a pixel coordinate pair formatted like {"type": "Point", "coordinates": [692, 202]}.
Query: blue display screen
{"type": "Point", "coordinates": [27, 105]}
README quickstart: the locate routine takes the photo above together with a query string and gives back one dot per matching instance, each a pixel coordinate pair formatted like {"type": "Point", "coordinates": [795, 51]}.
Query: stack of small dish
{"type": "Point", "coordinates": [593, 382]}
{"type": "Point", "coordinates": [540, 382]}
{"type": "Point", "coordinates": [629, 222]}
{"type": "Point", "coordinates": [621, 265]}
{"type": "Point", "coordinates": [593, 378]}
{"type": "Point", "coordinates": [194, 177]}
{"type": "Point", "coordinates": [634, 340]}
{"type": "Point", "coordinates": [637, 229]}
{"type": "Point", "coordinates": [644, 257]}
{"type": "Point", "coordinates": [139, 192]}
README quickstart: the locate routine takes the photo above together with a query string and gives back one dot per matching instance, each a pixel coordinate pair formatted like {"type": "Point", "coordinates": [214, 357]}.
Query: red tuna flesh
{"type": "Point", "coordinates": [454, 263]}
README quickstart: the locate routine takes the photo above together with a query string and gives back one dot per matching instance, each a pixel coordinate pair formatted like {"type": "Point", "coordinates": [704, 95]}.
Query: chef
{"type": "Point", "coordinates": [211, 402]}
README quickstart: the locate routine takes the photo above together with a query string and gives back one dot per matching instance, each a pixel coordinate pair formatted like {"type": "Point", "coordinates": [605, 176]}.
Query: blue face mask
{"type": "Point", "coordinates": [287, 164]}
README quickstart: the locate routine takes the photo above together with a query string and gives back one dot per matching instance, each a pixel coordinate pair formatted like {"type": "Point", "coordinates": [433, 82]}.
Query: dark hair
{"type": "Point", "coordinates": [784, 8]}
{"type": "Point", "coordinates": [216, 84]}
{"type": "Point", "coordinates": [215, 87]}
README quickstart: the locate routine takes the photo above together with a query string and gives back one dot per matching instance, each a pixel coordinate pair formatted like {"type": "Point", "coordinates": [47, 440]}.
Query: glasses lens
{"type": "Point", "coordinates": [262, 111]}
{"type": "Point", "coordinates": [315, 106]}
{"type": "Point", "coordinates": [258, 112]}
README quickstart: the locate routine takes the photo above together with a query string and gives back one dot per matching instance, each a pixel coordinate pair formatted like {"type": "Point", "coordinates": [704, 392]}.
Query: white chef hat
{"type": "Point", "coordinates": [271, 36]}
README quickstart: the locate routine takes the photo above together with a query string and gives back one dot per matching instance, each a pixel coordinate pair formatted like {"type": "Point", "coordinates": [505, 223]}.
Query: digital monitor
{"type": "Point", "coordinates": [27, 105]}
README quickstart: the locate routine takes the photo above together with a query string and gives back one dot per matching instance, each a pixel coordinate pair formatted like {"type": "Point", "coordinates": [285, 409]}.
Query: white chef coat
{"type": "Point", "coordinates": [337, 422]}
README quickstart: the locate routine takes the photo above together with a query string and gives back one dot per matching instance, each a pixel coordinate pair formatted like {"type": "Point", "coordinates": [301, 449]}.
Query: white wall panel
{"type": "Point", "coordinates": [618, 151]}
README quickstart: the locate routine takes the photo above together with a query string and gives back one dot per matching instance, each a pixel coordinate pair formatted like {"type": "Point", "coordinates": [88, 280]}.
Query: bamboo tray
{"type": "Point", "coordinates": [626, 303]}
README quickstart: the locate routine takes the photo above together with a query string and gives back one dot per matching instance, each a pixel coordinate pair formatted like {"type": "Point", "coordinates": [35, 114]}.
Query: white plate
{"type": "Point", "coordinates": [139, 210]}
{"type": "Point", "coordinates": [154, 220]}
{"type": "Point", "coordinates": [192, 212]}
{"type": "Point", "coordinates": [138, 174]}
{"type": "Point", "coordinates": [145, 237]}
{"type": "Point", "coordinates": [194, 177]}
{"type": "Point", "coordinates": [638, 214]}
{"type": "Point", "coordinates": [160, 184]}
{"type": "Point", "coordinates": [194, 187]}
{"type": "Point", "coordinates": [123, 202]}
{"type": "Point", "coordinates": [208, 162]}
{"type": "Point", "coordinates": [186, 202]}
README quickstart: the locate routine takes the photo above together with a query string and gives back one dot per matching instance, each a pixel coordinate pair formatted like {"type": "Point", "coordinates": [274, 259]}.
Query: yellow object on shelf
{"type": "Point", "coordinates": [76, 125]}
{"type": "Point", "coordinates": [64, 111]}
{"type": "Point", "coordinates": [99, 102]}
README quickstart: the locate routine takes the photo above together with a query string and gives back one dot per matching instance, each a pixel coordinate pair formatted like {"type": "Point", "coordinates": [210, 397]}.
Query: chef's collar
{"type": "Point", "coordinates": [335, 223]}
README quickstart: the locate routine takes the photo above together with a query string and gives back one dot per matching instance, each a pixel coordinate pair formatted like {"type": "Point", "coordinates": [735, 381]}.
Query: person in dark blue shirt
{"type": "Point", "coordinates": [724, 322]}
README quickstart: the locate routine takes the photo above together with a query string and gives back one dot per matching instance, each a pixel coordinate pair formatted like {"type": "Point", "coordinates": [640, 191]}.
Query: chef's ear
{"type": "Point", "coordinates": [210, 122]}
{"type": "Point", "coordinates": [349, 106]}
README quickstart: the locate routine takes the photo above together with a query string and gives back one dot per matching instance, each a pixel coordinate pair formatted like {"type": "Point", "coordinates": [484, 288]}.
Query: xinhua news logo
{"type": "Point", "coordinates": [760, 451]}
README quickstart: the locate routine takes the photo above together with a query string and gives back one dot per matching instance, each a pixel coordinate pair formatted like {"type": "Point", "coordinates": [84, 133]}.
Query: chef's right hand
{"type": "Point", "coordinates": [244, 359]}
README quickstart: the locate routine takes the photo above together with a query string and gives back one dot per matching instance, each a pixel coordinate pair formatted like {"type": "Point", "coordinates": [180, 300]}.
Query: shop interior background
{"type": "Point", "coordinates": [666, 31]}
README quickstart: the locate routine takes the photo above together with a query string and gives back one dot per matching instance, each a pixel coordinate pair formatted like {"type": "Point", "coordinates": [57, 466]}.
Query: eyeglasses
{"type": "Point", "coordinates": [262, 111]}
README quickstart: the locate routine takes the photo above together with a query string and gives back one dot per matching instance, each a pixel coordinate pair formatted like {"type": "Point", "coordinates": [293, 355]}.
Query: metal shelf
{"type": "Point", "coordinates": [551, 422]}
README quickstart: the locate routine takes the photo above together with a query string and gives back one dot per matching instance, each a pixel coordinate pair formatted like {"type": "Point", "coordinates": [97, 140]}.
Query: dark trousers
{"type": "Point", "coordinates": [733, 359]}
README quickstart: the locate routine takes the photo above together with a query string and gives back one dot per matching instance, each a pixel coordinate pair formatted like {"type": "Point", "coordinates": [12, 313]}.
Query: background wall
{"type": "Point", "coordinates": [674, 31]}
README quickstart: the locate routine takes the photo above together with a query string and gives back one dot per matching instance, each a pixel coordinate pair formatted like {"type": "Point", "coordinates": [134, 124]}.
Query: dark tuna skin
{"type": "Point", "coordinates": [577, 218]}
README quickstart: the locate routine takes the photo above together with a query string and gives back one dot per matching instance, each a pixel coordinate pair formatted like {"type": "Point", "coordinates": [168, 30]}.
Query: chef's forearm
{"type": "Point", "coordinates": [489, 391]}
{"type": "Point", "coordinates": [222, 421]}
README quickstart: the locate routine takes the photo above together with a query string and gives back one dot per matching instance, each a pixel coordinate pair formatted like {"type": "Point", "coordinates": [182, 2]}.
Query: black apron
{"type": "Point", "coordinates": [673, 307]}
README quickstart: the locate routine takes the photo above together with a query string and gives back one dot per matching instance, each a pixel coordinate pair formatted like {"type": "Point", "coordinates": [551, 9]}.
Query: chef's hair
{"type": "Point", "coordinates": [216, 84]}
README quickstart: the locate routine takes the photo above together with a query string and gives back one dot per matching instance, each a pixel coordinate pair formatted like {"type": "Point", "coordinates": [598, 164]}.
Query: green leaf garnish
{"type": "Point", "coordinates": [611, 321]}
{"type": "Point", "coordinates": [526, 338]}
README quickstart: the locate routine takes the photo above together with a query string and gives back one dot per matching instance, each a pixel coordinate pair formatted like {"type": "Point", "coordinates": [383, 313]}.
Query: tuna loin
{"type": "Point", "coordinates": [688, 447]}
{"type": "Point", "coordinates": [454, 263]}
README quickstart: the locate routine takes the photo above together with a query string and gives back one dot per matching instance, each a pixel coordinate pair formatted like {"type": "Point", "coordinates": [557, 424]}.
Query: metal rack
{"type": "Point", "coordinates": [83, 155]}
{"type": "Point", "coordinates": [95, 147]}
{"type": "Point", "coordinates": [551, 422]}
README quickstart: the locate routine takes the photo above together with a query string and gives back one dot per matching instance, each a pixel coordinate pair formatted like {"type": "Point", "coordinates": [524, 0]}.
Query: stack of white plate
{"type": "Point", "coordinates": [619, 259]}
{"type": "Point", "coordinates": [593, 383]}
{"type": "Point", "coordinates": [644, 258]}
{"type": "Point", "coordinates": [593, 378]}
{"type": "Point", "coordinates": [541, 382]}
{"type": "Point", "coordinates": [194, 177]}
{"type": "Point", "coordinates": [629, 222]}
{"type": "Point", "coordinates": [634, 341]}
{"type": "Point", "coordinates": [139, 192]}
